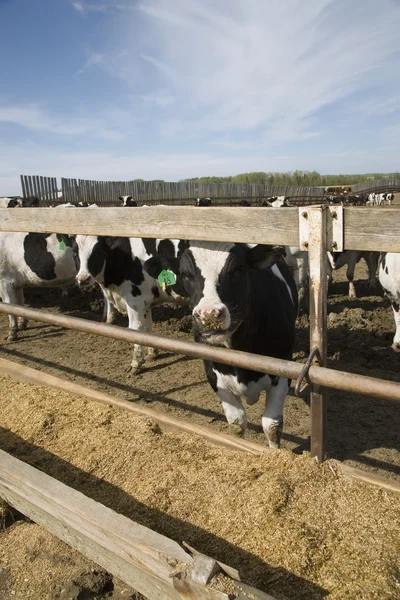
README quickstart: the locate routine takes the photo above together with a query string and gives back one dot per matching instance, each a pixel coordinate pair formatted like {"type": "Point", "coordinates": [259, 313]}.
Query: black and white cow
{"type": "Point", "coordinates": [389, 278]}
{"type": "Point", "coordinates": [10, 202]}
{"type": "Point", "coordinates": [18, 201]}
{"type": "Point", "coordinates": [337, 260]}
{"type": "Point", "coordinates": [116, 264]}
{"type": "Point", "coordinates": [203, 202]}
{"type": "Point", "coordinates": [127, 201]}
{"type": "Point", "coordinates": [243, 298]}
{"type": "Point", "coordinates": [277, 202]}
{"type": "Point", "coordinates": [244, 203]}
{"type": "Point", "coordinates": [33, 260]}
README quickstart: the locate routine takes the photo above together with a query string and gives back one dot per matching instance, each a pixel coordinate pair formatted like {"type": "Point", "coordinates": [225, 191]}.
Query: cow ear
{"type": "Point", "coordinates": [155, 264]}
{"type": "Point", "coordinates": [262, 256]}
{"type": "Point", "coordinates": [118, 242]}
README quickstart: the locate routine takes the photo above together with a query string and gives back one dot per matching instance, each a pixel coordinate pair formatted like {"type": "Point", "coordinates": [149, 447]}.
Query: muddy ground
{"type": "Point", "coordinates": [363, 432]}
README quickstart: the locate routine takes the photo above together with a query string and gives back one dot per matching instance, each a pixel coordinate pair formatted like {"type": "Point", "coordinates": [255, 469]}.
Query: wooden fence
{"type": "Point", "coordinates": [106, 193]}
{"type": "Point", "coordinates": [137, 555]}
{"type": "Point", "coordinates": [154, 192]}
{"type": "Point", "coordinates": [44, 188]}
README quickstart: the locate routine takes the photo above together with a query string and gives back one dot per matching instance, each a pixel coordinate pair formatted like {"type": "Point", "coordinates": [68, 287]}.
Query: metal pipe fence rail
{"type": "Point", "coordinates": [316, 228]}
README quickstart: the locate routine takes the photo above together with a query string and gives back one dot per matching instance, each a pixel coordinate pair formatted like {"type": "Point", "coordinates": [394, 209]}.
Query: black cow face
{"type": "Point", "coordinates": [216, 277]}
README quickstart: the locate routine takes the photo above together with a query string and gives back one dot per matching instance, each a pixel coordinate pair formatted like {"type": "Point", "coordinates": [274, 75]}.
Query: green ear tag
{"type": "Point", "coordinates": [62, 245]}
{"type": "Point", "coordinates": [166, 278]}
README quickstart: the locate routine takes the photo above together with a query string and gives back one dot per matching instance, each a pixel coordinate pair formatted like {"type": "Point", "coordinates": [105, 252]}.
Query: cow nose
{"type": "Point", "coordinates": [212, 317]}
{"type": "Point", "coordinates": [83, 280]}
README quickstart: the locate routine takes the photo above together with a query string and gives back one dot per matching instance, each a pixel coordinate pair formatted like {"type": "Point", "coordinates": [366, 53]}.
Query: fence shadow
{"type": "Point", "coordinates": [274, 580]}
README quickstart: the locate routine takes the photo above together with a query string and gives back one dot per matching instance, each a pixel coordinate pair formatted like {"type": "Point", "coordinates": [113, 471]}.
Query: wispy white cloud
{"type": "Point", "coordinates": [94, 59]}
{"type": "Point", "coordinates": [103, 6]}
{"type": "Point", "coordinates": [35, 118]}
{"type": "Point", "coordinates": [160, 98]}
{"type": "Point", "coordinates": [263, 66]}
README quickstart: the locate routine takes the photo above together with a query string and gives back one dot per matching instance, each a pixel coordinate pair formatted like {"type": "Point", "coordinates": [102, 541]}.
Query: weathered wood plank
{"type": "Point", "coordinates": [252, 225]}
{"type": "Point", "coordinates": [139, 556]}
{"type": "Point", "coordinates": [372, 228]}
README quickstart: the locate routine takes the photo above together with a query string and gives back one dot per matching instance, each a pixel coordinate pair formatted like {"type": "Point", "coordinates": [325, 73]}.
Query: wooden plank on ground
{"type": "Point", "coordinates": [250, 225]}
{"type": "Point", "coordinates": [139, 556]}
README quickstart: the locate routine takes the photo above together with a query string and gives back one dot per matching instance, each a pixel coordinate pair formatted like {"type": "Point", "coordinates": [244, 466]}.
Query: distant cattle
{"type": "Point", "coordinates": [244, 203]}
{"type": "Point", "coordinates": [127, 201]}
{"type": "Point", "coordinates": [389, 278]}
{"type": "Point", "coordinates": [277, 202]}
{"type": "Point", "coordinates": [117, 265]}
{"type": "Point", "coordinates": [18, 201]}
{"type": "Point", "coordinates": [203, 202]}
{"type": "Point", "coordinates": [33, 260]}
{"type": "Point", "coordinates": [244, 298]}
{"type": "Point", "coordinates": [337, 260]}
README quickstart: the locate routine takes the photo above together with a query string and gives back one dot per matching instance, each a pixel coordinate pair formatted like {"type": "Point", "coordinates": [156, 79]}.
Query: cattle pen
{"type": "Point", "coordinates": [140, 557]}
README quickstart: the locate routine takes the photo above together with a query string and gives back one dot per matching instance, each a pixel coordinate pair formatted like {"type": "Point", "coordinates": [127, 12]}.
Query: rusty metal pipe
{"type": "Point", "coordinates": [330, 378]}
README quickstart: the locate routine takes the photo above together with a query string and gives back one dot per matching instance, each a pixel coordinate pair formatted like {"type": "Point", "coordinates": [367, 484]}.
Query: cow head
{"type": "Point", "coordinates": [217, 278]}
{"type": "Point", "coordinates": [127, 201]}
{"type": "Point", "coordinates": [92, 252]}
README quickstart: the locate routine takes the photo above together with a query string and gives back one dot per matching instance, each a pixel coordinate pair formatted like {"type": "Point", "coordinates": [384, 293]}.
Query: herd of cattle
{"type": "Point", "coordinates": [243, 296]}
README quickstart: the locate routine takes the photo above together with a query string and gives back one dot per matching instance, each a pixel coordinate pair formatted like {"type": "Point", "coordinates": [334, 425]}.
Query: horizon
{"type": "Point", "coordinates": [179, 89]}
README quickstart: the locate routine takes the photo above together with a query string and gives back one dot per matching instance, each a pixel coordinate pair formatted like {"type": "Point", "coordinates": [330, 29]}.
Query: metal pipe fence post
{"type": "Point", "coordinates": [317, 248]}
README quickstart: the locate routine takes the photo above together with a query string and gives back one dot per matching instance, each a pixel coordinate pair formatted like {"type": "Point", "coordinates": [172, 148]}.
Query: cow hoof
{"type": "Point", "coordinates": [135, 369]}
{"type": "Point", "coordinates": [12, 336]}
{"type": "Point", "coordinates": [151, 353]}
{"type": "Point", "coordinates": [22, 324]}
{"type": "Point", "coordinates": [236, 430]}
{"type": "Point", "coordinates": [274, 434]}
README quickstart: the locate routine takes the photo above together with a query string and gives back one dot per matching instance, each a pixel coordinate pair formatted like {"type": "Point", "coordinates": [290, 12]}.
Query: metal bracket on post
{"type": "Point", "coordinates": [334, 233]}
{"type": "Point", "coordinates": [303, 228]}
{"type": "Point", "coordinates": [314, 354]}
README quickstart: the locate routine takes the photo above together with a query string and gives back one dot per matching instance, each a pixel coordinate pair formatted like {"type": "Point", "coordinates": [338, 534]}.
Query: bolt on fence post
{"type": "Point", "coordinates": [317, 248]}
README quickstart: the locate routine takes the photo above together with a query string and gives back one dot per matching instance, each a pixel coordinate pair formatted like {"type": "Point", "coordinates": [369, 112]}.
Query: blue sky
{"type": "Point", "coordinates": [119, 89]}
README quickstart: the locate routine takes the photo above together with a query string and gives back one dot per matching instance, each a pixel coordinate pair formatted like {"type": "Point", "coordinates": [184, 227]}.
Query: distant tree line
{"type": "Point", "coordinates": [296, 178]}
{"type": "Point", "coordinates": [290, 178]}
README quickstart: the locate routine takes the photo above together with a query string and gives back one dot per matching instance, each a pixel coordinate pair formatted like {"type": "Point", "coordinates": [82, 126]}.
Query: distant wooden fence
{"type": "Point", "coordinates": [44, 188]}
{"type": "Point", "coordinates": [106, 193]}
{"type": "Point", "coordinates": [156, 192]}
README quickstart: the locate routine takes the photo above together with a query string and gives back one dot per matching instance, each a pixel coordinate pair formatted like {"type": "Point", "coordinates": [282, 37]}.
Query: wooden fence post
{"type": "Point", "coordinates": [317, 255]}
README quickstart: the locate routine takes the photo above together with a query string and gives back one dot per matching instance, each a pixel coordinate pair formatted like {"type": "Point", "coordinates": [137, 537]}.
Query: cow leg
{"type": "Point", "coordinates": [151, 352]}
{"type": "Point", "coordinates": [138, 322]}
{"type": "Point", "coordinates": [10, 294]}
{"type": "Point", "coordinates": [372, 259]}
{"type": "Point", "coordinates": [22, 323]}
{"type": "Point", "coordinates": [351, 265]}
{"type": "Point", "coordinates": [109, 312]}
{"type": "Point", "coordinates": [234, 411]}
{"type": "Point", "coordinates": [272, 419]}
{"type": "Point", "coordinates": [396, 314]}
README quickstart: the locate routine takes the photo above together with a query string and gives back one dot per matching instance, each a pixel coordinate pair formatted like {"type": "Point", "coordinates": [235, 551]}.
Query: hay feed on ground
{"type": "Point", "coordinates": [292, 527]}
